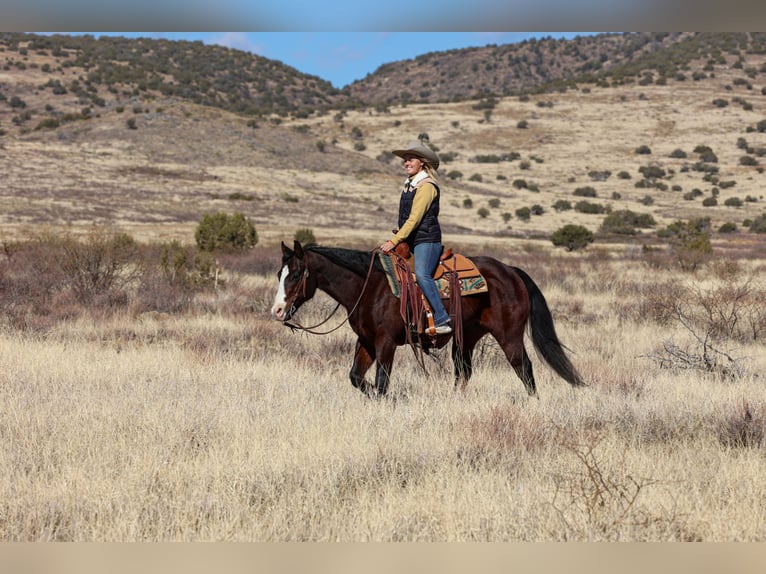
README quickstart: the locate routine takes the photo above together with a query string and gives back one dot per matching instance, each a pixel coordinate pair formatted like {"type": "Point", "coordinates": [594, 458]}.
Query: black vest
{"type": "Point", "coordinates": [428, 230]}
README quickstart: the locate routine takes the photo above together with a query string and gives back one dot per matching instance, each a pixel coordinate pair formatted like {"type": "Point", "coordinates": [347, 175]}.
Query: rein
{"type": "Point", "coordinates": [302, 287]}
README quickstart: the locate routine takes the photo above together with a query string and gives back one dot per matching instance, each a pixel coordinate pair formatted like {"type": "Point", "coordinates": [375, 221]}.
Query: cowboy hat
{"type": "Point", "coordinates": [421, 151]}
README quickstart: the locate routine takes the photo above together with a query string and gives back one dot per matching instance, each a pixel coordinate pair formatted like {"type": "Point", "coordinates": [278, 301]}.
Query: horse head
{"type": "Point", "coordinates": [296, 284]}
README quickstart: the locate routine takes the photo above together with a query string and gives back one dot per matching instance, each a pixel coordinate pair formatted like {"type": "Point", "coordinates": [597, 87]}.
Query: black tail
{"type": "Point", "coordinates": [544, 335]}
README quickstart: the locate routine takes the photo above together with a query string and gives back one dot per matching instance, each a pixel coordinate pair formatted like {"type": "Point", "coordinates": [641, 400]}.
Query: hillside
{"type": "Point", "coordinates": [656, 124]}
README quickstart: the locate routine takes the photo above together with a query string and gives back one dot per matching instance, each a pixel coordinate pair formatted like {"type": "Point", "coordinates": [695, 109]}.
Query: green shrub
{"type": "Point", "coordinates": [728, 227]}
{"type": "Point", "coordinates": [652, 171]}
{"type": "Point", "coordinates": [643, 150]}
{"type": "Point", "coordinates": [520, 183]}
{"type": "Point", "coordinates": [468, 203]}
{"type": "Point", "coordinates": [758, 225]}
{"type": "Point", "coordinates": [589, 207]}
{"type": "Point", "coordinates": [625, 221]}
{"type": "Point", "coordinates": [48, 124]}
{"type": "Point", "coordinates": [305, 236]}
{"type": "Point", "coordinates": [689, 241]}
{"type": "Point", "coordinates": [483, 212]}
{"type": "Point", "coordinates": [748, 160]}
{"type": "Point", "coordinates": [455, 174]}
{"type": "Point", "coordinates": [573, 237]}
{"type": "Point", "coordinates": [494, 203]}
{"type": "Point", "coordinates": [562, 205]}
{"type": "Point", "coordinates": [587, 191]}
{"type": "Point", "coordinates": [733, 202]}
{"type": "Point", "coordinates": [220, 231]}
{"type": "Point", "coordinates": [523, 213]}
{"type": "Point", "coordinates": [709, 202]}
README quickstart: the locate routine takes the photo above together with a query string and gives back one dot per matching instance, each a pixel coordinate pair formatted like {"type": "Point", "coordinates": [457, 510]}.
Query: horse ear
{"type": "Point", "coordinates": [285, 249]}
{"type": "Point", "coordinates": [298, 248]}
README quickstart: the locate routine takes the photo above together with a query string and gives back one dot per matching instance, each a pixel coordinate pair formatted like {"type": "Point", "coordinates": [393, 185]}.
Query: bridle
{"type": "Point", "coordinates": [302, 288]}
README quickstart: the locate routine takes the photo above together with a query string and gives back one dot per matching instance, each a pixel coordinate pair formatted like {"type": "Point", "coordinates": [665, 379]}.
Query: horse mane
{"type": "Point", "coordinates": [352, 259]}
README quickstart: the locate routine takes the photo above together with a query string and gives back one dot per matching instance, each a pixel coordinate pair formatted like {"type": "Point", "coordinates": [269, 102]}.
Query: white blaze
{"type": "Point", "coordinates": [280, 299]}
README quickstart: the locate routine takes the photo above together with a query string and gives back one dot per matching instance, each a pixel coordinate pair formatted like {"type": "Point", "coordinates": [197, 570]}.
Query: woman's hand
{"type": "Point", "coordinates": [387, 246]}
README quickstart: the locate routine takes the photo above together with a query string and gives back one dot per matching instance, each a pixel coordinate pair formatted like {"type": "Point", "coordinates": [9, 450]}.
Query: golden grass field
{"type": "Point", "coordinates": [219, 424]}
{"type": "Point", "coordinates": [225, 426]}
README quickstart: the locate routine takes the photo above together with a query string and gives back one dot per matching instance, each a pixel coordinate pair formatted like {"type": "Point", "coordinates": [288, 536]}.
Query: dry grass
{"type": "Point", "coordinates": [226, 426]}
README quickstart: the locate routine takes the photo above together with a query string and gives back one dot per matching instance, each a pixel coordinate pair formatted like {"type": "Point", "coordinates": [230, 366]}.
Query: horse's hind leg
{"type": "Point", "coordinates": [517, 356]}
{"type": "Point", "coordinates": [362, 363]}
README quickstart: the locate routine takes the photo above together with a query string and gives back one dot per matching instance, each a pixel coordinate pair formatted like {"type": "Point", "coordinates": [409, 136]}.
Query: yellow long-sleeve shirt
{"type": "Point", "coordinates": [424, 197]}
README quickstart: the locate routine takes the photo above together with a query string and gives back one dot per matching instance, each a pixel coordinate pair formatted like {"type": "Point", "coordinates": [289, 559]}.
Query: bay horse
{"type": "Point", "coordinates": [357, 281]}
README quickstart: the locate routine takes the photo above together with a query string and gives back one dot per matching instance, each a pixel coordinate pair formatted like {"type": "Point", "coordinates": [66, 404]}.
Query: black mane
{"type": "Point", "coordinates": [352, 259]}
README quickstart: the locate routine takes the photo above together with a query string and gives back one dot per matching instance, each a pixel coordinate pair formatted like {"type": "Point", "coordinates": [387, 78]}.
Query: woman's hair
{"type": "Point", "coordinates": [429, 169]}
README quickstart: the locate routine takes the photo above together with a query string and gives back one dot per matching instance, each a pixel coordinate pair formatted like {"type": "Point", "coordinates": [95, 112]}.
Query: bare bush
{"type": "Point", "coordinates": [99, 266]}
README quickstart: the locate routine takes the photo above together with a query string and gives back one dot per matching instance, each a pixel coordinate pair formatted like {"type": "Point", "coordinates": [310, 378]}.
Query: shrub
{"type": "Point", "coordinates": [220, 231]}
{"type": "Point", "coordinates": [678, 153]}
{"type": "Point", "coordinates": [468, 203]}
{"type": "Point", "coordinates": [733, 202]}
{"type": "Point", "coordinates": [589, 207]}
{"type": "Point", "coordinates": [652, 171]}
{"type": "Point", "coordinates": [98, 265]}
{"type": "Point", "coordinates": [491, 158]}
{"type": "Point", "coordinates": [522, 124]}
{"type": "Point", "coordinates": [643, 150]}
{"type": "Point", "coordinates": [573, 237]}
{"type": "Point", "coordinates": [523, 213]}
{"type": "Point", "coordinates": [48, 124]}
{"type": "Point", "coordinates": [494, 203]}
{"type": "Point", "coordinates": [689, 242]}
{"type": "Point", "coordinates": [623, 175]}
{"type": "Point", "coordinates": [748, 160]}
{"type": "Point", "coordinates": [483, 212]}
{"type": "Point", "coordinates": [728, 227]}
{"type": "Point", "coordinates": [586, 191]}
{"type": "Point", "coordinates": [520, 183]}
{"type": "Point", "coordinates": [455, 174]}
{"type": "Point", "coordinates": [562, 205]}
{"type": "Point", "coordinates": [709, 202]}
{"type": "Point", "coordinates": [475, 177]}
{"type": "Point", "coordinates": [305, 236]}
{"type": "Point", "coordinates": [758, 225]}
{"type": "Point", "coordinates": [625, 221]}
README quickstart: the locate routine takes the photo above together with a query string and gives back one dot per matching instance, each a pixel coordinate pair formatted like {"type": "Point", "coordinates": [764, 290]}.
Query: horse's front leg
{"type": "Point", "coordinates": [462, 359]}
{"type": "Point", "coordinates": [362, 363]}
{"type": "Point", "coordinates": [385, 351]}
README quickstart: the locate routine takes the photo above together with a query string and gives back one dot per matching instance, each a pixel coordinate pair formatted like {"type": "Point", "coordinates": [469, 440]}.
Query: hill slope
{"type": "Point", "coordinates": [77, 151]}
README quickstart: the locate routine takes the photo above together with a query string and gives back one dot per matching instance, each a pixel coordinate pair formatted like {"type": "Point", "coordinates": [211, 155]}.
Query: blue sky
{"type": "Point", "coordinates": [342, 57]}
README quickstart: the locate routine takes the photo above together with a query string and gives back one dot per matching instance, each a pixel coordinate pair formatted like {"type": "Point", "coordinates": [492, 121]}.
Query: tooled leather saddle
{"type": "Point", "coordinates": [456, 276]}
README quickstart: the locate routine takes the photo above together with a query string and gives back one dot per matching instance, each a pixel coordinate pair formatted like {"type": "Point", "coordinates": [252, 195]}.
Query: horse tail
{"type": "Point", "coordinates": [544, 336]}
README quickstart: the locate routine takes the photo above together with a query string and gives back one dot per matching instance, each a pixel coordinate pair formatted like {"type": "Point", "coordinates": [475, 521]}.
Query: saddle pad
{"type": "Point", "coordinates": [471, 280]}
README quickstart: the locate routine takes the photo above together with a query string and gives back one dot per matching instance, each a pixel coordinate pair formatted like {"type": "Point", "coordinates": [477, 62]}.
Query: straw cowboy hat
{"type": "Point", "coordinates": [421, 151]}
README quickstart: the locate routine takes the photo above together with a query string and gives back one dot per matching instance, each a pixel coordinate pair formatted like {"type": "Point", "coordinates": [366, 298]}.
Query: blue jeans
{"type": "Point", "coordinates": [426, 260]}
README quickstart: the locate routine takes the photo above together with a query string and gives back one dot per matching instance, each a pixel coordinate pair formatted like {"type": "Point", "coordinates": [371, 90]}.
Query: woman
{"type": "Point", "coordinates": [419, 224]}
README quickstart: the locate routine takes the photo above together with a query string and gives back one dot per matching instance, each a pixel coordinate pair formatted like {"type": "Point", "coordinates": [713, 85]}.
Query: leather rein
{"type": "Point", "coordinates": [302, 289]}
